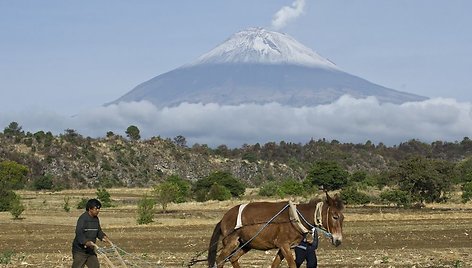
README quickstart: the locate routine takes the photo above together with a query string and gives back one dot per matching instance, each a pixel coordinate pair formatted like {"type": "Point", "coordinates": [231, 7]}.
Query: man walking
{"type": "Point", "coordinates": [87, 231]}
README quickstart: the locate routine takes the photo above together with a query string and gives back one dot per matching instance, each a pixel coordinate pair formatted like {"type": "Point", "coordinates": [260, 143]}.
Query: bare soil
{"type": "Point", "coordinates": [435, 236]}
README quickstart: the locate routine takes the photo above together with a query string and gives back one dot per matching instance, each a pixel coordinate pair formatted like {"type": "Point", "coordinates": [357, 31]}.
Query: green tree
{"type": "Point", "coordinates": [350, 195]}
{"type": "Point", "coordinates": [71, 135]}
{"type": "Point", "coordinates": [398, 197]}
{"type": "Point", "coordinates": [180, 141]}
{"type": "Point", "coordinates": [13, 130]}
{"type": "Point", "coordinates": [12, 175]}
{"type": "Point", "coordinates": [165, 193]}
{"type": "Point", "coordinates": [358, 176]}
{"type": "Point", "coordinates": [327, 175]}
{"type": "Point", "coordinates": [424, 179]}
{"type": "Point", "coordinates": [467, 192]}
{"type": "Point", "coordinates": [6, 198]}
{"type": "Point", "coordinates": [132, 132]}
{"type": "Point", "coordinates": [269, 189]}
{"type": "Point", "coordinates": [222, 178]}
{"type": "Point", "coordinates": [145, 210]}
{"type": "Point", "coordinates": [183, 194]}
{"type": "Point", "coordinates": [43, 183]}
{"type": "Point", "coordinates": [218, 192]}
{"type": "Point", "coordinates": [464, 170]}
{"type": "Point", "coordinates": [290, 187]}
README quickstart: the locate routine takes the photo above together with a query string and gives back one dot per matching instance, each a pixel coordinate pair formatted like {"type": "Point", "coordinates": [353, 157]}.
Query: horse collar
{"type": "Point", "coordinates": [318, 214]}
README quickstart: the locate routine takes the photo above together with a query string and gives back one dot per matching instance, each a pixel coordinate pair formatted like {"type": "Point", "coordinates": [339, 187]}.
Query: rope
{"type": "Point", "coordinates": [323, 230]}
{"type": "Point", "coordinates": [125, 258]}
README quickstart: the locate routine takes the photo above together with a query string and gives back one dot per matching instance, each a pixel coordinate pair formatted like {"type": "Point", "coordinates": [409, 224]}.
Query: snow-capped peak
{"type": "Point", "coordinates": [258, 45]}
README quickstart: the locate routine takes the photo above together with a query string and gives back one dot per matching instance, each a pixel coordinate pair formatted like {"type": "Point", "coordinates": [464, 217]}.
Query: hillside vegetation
{"type": "Point", "coordinates": [69, 160]}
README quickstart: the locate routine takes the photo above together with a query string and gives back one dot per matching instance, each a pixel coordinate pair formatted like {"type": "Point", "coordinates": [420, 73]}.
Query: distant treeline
{"type": "Point", "coordinates": [412, 171]}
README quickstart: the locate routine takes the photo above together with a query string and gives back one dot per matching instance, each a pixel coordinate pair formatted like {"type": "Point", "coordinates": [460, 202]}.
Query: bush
{"type": "Point", "coordinates": [166, 192]}
{"type": "Point", "coordinates": [183, 193]}
{"type": "Point", "coordinates": [268, 189]}
{"type": "Point", "coordinates": [352, 196]}
{"type": "Point", "coordinates": [145, 210]}
{"type": "Point", "coordinates": [104, 196]}
{"type": "Point", "coordinates": [466, 192]}
{"type": "Point", "coordinates": [12, 175]}
{"type": "Point", "coordinates": [43, 183]}
{"type": "Point", "coordinates": [16, 207]}
{"type": "Point", "coordinates": [82, 203]}
{"type": "Point", "coordinates": [6, 256]}
{"type": "Point", "coordinates": [66, 205]}
{"type": "Point", "coordinates": [218, 192]}
{"type": "Point", "coordinates": [225, 179]}
{"type": "Point", "coordinates": [6, 199]}
{"type": "Point", "coordinates": [397, 197]}
{"type": "Point", "coordinates": [291, 187]}
{"type": "Point", "coordinates": [327, 174]}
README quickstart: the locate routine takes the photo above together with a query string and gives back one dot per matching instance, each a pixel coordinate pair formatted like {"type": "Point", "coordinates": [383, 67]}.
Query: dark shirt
{"type": "Point", "coordinates": [87, 229]}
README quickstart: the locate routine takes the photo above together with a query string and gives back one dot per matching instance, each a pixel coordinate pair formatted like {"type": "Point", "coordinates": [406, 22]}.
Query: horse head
{"type": "Point", "coordinates": [333, 218]}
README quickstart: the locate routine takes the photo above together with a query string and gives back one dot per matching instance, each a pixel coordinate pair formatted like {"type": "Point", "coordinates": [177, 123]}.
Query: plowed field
{"type": "Point", "coordinates": [435, 236]}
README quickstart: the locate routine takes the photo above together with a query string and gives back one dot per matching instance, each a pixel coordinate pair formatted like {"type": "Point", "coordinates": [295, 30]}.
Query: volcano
{"type": "Point", "coordinates": [260, 66]}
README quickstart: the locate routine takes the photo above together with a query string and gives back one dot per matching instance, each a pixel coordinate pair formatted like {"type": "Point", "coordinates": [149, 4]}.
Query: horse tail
{"type": "Point", "coordinates": [214, 245]}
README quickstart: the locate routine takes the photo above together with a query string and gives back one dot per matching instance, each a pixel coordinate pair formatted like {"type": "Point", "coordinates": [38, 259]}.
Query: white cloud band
{"type": "Point", "coordinates": [346, 120]}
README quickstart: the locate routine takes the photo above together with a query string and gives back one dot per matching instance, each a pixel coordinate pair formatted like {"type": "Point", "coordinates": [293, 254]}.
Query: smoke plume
{"type": "Point", "coordinates": [287, 13]}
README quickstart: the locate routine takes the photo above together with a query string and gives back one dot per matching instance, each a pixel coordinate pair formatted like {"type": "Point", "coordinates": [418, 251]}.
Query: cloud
{"type": "Point", "coordinates": [287, 13]}
{"type": "Point", "coordinates": [346, 120]}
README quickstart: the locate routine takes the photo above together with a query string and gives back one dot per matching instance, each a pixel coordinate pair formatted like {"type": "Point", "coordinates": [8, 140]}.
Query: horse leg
{"type": "Point", "coordinates": [287, 254]}
{"type": "Point", "coordinates": [278, 259]}
{"type": "Point", "coordinates": [235, 258]}
{"type": "Point", "coordinates": [230, 244]}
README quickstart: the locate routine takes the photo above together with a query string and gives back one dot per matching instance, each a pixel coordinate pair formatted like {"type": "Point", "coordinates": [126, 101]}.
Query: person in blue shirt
{"type": "Point", "coordinates": [306, 250]}
{"type": "Point", "coordinates": [87, 231]}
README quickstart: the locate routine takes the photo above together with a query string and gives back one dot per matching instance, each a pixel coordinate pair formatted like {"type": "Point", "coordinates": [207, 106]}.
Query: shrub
{"type": "Point", "coordinates": [82, 203]}
{"type": "Point", "coordinates": [327, 174]}
{"type": "Point", "coordinates": [16, 207]}
{"type": "Point", "coordinates": [352, 196]}
{"type": "Point", "coordinates": [183, 186]}
{"type": "Point", "coordinates": [5, 257]}
{"type": "Point", "coordinates": [290, 187]}
{"type": "Point", "coordinates": [66, 205]}
{"type": "Point", "coordinates": [6, 198]}
{"type": "Point", "coordinates": [466, 192]}
{"type": "Point", "coordinates": [397, 197]}
{"type": "Point", "coordinates": [166, 193]}
{"type": "Point", "coordinates": [145, 210]}
{"type": "Point", "coordinates": [268, 189]}
{"type": "Point", "coordinates": [225, 179]}
{"type": "Point", "coordinates": [43, 183]}
{"type": "Point", "coordinates": [12, 175]}
{"type": "Point", "coordinates": [104, 196]}
{"type": "Point", "coordinates": [218, 192]}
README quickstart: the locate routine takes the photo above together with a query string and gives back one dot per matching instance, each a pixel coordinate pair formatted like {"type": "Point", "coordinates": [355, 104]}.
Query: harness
{"type": "Point", "coordinates": [318, 220]}
{"type": "Point", "coordinates": [294, 215]}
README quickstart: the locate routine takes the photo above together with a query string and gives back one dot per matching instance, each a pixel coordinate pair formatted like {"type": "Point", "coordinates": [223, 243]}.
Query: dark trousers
{"type": "Point", "coordinates": [305, 251]}
{"type": "Point", "coordinates": [81, 259]}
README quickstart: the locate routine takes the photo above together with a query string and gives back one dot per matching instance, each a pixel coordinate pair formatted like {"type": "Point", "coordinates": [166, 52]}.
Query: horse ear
{"type": "Point", "coordinates": [328, 198]}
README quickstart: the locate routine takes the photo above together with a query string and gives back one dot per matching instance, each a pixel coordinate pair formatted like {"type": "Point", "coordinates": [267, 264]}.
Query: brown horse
{"type": "Point", "coordinates": [268, 225]}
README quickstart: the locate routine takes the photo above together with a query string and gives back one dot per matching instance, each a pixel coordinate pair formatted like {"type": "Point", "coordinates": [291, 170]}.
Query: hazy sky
{"type": "Point", "coordinates": [62, 58]}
